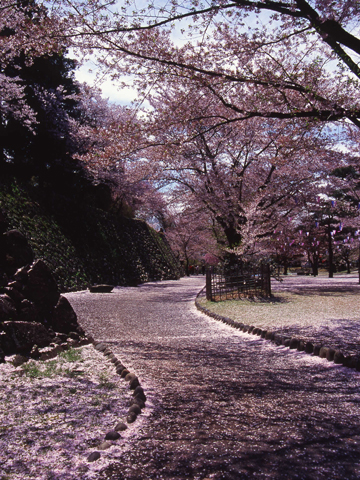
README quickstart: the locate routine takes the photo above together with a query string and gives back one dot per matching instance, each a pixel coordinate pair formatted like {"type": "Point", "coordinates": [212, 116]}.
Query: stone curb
{"type": "Point", "coordinates": [295, 343]}
{"type": "Point", "coordinates": [137, 402]}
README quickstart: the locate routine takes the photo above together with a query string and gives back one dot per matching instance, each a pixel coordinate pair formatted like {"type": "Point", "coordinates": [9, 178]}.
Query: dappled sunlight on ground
{"type": "Point", "coordinates": [221, 404]}
{"type": "Point", "coordinates": [227, 405]}
{"type": "Point", "coordinates": [320, 310]}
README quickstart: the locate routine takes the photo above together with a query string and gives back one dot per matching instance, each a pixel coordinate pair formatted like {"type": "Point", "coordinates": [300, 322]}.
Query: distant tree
{"type": "Point", "coordinates": [246, 175]}
{"type": "Point", "coordinates": [190, 235]}
{"type": "Point", "coordinates": [325, 223]}
{"type": "Point", "coordinates": [347, 254]}
{"type": "Point", "coordinates": [283, 245]}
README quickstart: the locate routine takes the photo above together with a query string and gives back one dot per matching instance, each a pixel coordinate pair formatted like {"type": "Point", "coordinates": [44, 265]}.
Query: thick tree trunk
{"type": "Point", "coordinates": [233, 236]}
{"type": "Point", "coordinates": [315, 267]}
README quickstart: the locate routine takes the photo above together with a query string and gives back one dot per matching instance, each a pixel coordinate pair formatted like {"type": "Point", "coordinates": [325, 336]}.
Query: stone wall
{"type": "Point", "coordinates": [83, 245]}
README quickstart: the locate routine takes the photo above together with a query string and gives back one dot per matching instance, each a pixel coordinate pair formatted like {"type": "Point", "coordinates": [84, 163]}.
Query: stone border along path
{"type": "Point", "coordinates": [224, 404]}
{"type": "Point", "coordinates": [301, 345]}
{"type": "Point", "coordinates": [137, 403]}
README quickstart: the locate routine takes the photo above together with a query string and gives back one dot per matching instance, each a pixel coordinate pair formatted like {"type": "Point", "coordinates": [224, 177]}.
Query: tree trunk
{"type": "Point", "coordinates": [187, 270]}
{"type": "Point", "coordinates": [315, 267]}
{"type": "Point", "coordinates": [233, 236]}
{"type": "Point", "coordinates": [331, 255]}
{"type": "Point", "coordinates": [286, 264]}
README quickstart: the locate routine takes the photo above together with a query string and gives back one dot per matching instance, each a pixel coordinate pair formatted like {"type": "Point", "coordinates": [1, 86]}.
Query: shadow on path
{"type": "Point", "coordinates": [226, 405]}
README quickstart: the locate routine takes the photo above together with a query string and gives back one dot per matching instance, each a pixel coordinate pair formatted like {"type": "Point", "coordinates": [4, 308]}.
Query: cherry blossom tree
{"type": "Point", "coordinates": [111, 140]}
{"type": "Point", "coordinates": [57, 132]}
{"type": "Point", "coordinates": [322, 230]}
{"type": "Point", "coordinates": [190, 235]}
{"type": "Point", "coordinates": [347, 253]}
{"type": "Point", "coordinates": [26, 32]}
{"type": "Point", "coordinates": [38, 95]}
{"type": "Point", "coordinates": [282, 246]}
{"type": "Point", "coordinates": [244, 98]}
{"type": "Point", "coordinates": [247, 175]}
{"type": "Point", "coordinates": [267, 74]}
{"type": "Point", "coordinates": [288, 59]}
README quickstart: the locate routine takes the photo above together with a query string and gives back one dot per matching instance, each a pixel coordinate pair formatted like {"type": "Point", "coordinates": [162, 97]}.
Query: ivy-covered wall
{"type": "Point", "coordinates": [84, 245]}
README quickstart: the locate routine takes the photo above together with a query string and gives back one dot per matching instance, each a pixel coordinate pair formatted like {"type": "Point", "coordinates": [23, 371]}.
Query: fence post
{"type": "Point", "coordinates": [262, 273]}
{"type": "Point", "coordinates": [265, 279]}
{"type": "Point", "coordinates": [268, 279]}
{"type": "Point", "coordinates": [208, 285]}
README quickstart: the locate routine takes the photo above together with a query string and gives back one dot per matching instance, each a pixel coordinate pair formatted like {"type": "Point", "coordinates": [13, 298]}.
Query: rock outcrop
{"type": "Point", "coordinates": [33, 314]}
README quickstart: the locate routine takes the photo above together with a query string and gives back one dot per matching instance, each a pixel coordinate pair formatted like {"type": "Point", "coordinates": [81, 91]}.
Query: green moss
{"type": "Point", "coordinates": [71, 355]}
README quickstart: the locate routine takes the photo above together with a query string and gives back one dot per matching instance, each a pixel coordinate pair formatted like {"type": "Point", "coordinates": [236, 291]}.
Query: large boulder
{"type": "Point", "coordinates": [28, 312]}
{"type": "Point", "coordinates": [7, 308]}
{"type": "Point", "coordinates": [31, 308]}
{"type": "Point", "coordinates": [64, 318]}
{"type": "Point", "coordinates": [20, 337]}
{"type": "Point", "coordinates": [18, 251]}
{"type": "Point", "coordinates": [21, 275]}
{"type": "Point", "coordinates": [14, 292]}
{"type": "Point", "coordinates": [41, 287]}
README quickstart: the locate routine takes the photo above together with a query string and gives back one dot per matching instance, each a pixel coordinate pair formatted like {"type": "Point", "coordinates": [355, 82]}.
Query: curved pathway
{"type": "Point", "coordinates": [223, 404]}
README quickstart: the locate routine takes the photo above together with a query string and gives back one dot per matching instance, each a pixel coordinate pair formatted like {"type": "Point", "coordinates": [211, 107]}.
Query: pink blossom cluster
{"type": "Point", "coordinates": [30, 32]}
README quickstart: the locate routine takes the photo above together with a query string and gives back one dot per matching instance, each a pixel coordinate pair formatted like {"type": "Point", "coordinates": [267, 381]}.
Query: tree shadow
{"type": "Point", "coordinates": [230, 414]}
{"type": "Point", "coordinates": [321, 290]}
{"type": "Point", "coordinates": [338, 333]}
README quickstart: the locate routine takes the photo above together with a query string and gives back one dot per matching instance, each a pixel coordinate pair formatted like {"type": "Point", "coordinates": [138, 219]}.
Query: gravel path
{"type": "Point", "coordinates": [222, 404]}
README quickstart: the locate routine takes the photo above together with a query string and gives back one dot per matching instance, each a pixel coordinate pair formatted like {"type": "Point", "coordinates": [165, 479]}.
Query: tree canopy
{"type": "Point", "coordinates": [252, 104]}
{"type": "Point", "coordinates": [273, 59]}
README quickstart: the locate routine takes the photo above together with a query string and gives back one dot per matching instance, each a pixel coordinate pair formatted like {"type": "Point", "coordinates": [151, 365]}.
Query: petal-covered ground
{"type": "Point", "coordinates": [221, 404]}
{"type": "Point", "coordinates": [226, 405]}
{"type": "Point", "coordinates": [54, 414]}
{"type": "Point", "coordinates": [318, 309]}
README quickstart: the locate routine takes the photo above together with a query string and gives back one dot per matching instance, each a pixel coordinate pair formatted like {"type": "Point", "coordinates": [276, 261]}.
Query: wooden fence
{"type": "Point", "coordinates": [227, 283]}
